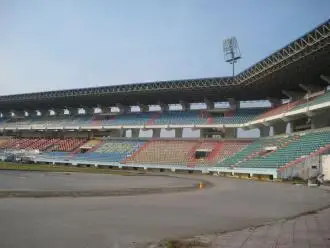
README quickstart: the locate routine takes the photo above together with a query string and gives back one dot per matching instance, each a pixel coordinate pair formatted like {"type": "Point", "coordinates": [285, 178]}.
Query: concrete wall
{"type": "Point", "coordinates": [135, 133]}
{"type": "Point", "coordinates": [279, 128]}
{"type": "Point", "coordinates": [320, 120]}
{"type": "Point", "coordinates": [156, 132]}
{"type": "Point", "coordinates": [264, 131]}
{"type": "Point", "coordinates": [178, 132]}
{"type": "Point", "coordinates": [230, 133]}
{"type": "Point", "coordinates": [305, 169]}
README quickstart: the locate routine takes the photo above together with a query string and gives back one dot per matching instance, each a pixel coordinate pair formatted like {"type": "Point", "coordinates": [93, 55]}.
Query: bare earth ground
{"type": "Point", "coordinates": [120, 221]}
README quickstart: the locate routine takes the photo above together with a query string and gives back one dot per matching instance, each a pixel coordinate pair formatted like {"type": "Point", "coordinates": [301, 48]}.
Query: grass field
{"type": "Point", "coordinates": [60, 168]}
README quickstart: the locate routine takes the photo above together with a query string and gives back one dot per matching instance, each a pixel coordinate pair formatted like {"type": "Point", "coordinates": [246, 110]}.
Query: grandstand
{"type": "Point", "coordinates": [89, 126]}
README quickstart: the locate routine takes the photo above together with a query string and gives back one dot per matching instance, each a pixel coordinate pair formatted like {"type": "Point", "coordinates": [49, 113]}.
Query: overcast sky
{"type": "Point", "coordinates": [62, 44]}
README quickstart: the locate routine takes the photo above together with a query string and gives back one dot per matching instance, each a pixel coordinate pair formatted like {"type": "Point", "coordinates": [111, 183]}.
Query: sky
{"type": "Point", "coordinates": [63, 44]}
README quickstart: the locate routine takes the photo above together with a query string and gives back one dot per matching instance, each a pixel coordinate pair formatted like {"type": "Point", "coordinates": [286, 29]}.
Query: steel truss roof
{"type": "Point", "coordinates": [302, 61]}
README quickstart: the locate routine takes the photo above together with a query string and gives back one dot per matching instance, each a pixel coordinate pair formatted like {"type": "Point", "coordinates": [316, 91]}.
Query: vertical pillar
{"type": "Point", "coordinates": [18, 113]}
{"type": "Point", "coordinates": [279, 128]}
{"type": "Point", "coordinates": [291, 127]}
{"type": "Point", "coordinates": [118, 133]}
{"type": "Point", "coordinates": [104, 109]}
{"type": "Point", "coordinates": [33, 113]}
{"type": "Point", "coordinates": [6, 114]}
{"type": "Point", "coordinates": [44, 112]}
{"type": "Point", "coordinates": [264, 131]}
{"type": "Point", "coordinates": [156, 132]}
{"type": "Point", "coordinates": [89, 111]}
{"type": "Point", "coordinates": [178, 132]}
{"type": "Point", "coordinates": [320, 121]}
{"type": "Point", "coordinates": [185, 106]}
{"type": "Point", "coordinates": [164, 107]}
{"type": "Point", "coordinates": [209, 104]}
{"type": "Point", "coordinates": [123, 109]}
{"type": "Point", "coordinates": [73, 111]}
{"type": "Point", "coordinates": [135, 133]}
{"type": "Point", "coordinates": [143, 108]}
{"type": "Point", "coordinates": [233, 103]}
{"type": "Point", "coordinates": [230, 133]}
{"type": "Point", "coordinates": [59, 112]}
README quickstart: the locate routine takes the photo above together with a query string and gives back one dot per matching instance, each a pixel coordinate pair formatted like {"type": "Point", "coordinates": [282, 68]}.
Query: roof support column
{"type": "Point", "coordinates": [6, 114]}
{"type": "Point", "coordinates": [18, 113]}
{"type": "Point", "coordinates": [233, 103]}
{"type": "Point", "coordinates": [185, 106]}
{"type": "Point", "coordinates": [73, 111]}
{"type": "Point", "coordinates": [143, 108]}
{"type": "Point", "coordinates": [230, 133]}
{"type": "Point", "coordinates": [58, 112]}
{"type": "Point", "coordinates": [164, 107]}
{"type": "Point", "coordinates": [209, 104]}
{"type": "Point", "coordinates": [291, 127]}
{"type": "Point", "coordinates": [123, 109]}
{"type": "Point", "coordinates": [135, 132]}
{"type": "Point", "coordinates": [89, 111]}
{"type": "Point", "coordinates": [116, 133]}
{"type": "Point", "coordinates": [44, 112]}
{"type": "Point", "coordinates": [104, 109]}
{"type": "Point", "coordinates": [33, 113]}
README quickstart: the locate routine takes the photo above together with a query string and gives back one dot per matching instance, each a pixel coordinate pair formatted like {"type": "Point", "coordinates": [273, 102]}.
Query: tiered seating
{"type": "Point", "coordinates": [262, 154]}
{"type": "Point", "coordinates": [92, 143]}
{"type": "Point", "coordinates": [303, 146]}
{"type": "Point", "coordinates": [211, 146]}
{"type": "Point", "coordinates": [301, 103]}
{"type": "Point", "coordinates": [67, 145]}
{"type": "Point", "coordinates": [181, 117]}
{"type": "Point", "coordinates": [165, 152]}
{"type": "Point", "coordinates": [229, 148]}
{"type": "Point", "coordinates": [17, 122]}
{"type": "Point", "coordinates": [18, 143]}
{"type": "Point", "coordinates": [238, 116]}
{"type": "Point", "coordinates": [43, 144]}
{"type": "Point", "coordinates": [219, 151]}
{"type": "Point", "coordinates": [276, 111]}
{"type": "Point", "coordinates": [317, 100]}
{"type": "Point", "coordinates": [287, 149]}
{"type": "Point", "coordinates": [3, 143]}
{"type": "Point", "coordinates": [137, 118]}
{"type": "Point", "coordinates": [251, 150]}
{"type": "Point", "coordinates": [112, 151]}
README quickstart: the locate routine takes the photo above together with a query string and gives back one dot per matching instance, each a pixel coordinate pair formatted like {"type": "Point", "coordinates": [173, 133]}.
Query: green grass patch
{"type": "Point", "coordinates": [60, 168]}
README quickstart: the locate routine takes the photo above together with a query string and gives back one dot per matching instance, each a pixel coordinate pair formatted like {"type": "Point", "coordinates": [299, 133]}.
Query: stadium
{"type": "Point", "coordinates": [182, 179]}
{"type": "Point", "coordinates": [62, 127]}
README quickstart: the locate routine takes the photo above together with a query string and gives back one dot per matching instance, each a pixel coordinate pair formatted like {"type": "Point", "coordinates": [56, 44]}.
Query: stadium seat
{"type": "Point", "coordinates": [111, 151]}
{"type": "Point", "coordinates": [165, 152]}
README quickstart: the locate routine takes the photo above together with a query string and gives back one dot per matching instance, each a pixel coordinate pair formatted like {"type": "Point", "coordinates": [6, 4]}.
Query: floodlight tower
{"type": "Point", "coordinates": [231, 51]}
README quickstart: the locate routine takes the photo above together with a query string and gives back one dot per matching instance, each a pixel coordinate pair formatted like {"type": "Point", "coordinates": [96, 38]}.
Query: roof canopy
{"type": "Point", "coordinates": [300, 62]}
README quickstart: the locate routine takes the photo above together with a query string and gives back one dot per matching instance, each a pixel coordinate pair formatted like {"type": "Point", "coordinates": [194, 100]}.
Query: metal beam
{"type": "Point", "coordinates": [293, 94]}
{"type": "Point", "coordinates": [325, 78]}
{"type": "Point", "coordinates": [310, 88]}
